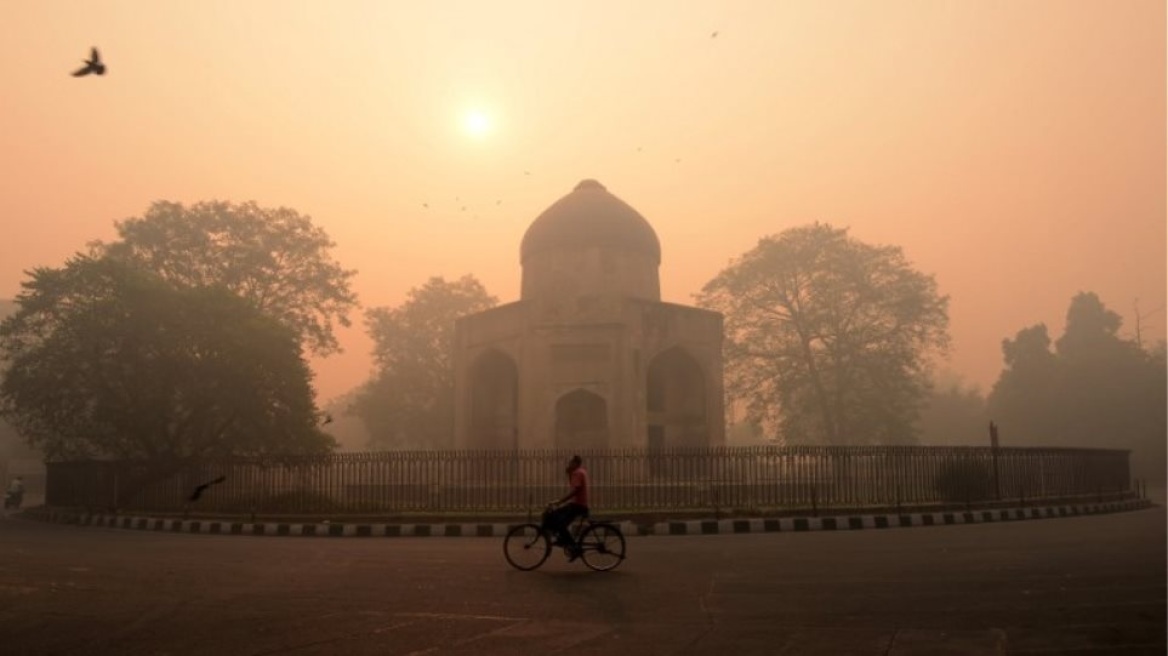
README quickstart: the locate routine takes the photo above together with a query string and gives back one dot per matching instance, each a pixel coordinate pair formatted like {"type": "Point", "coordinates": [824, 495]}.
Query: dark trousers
{"type": "Point", "coordinates": [561, 518]}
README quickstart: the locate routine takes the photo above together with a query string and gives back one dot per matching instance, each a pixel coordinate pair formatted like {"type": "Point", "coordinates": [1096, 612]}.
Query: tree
{"type": "Point", "coordinates": [1024, 400]}
{"type": "Point", "coordinates": [1092, 331]}
{"type": "Point", "coordinates": [105, 359]}
{"type": "Point", "coordinates": [409, 403]}
{"type": "Point", "coordinates": [275, 258]}
{"type": "Point", "coordinates": [1098, 369]}
{"type": "Point", "coordinates": [829, 337]}
{"type": "Point", "coordinates": [1094, 389]}
{"type": "Point", "coordinates": [10, 442]}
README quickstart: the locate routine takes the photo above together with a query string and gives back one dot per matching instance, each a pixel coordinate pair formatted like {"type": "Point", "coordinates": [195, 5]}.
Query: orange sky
{"type": "Point", "coordinates": [1015, 149]}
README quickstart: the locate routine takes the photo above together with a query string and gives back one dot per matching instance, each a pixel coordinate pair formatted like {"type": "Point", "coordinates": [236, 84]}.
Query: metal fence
{"type": "Point", "coordinates": [731, 478]}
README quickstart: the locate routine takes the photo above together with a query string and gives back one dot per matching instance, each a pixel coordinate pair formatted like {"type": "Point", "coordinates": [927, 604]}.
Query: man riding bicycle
{"type": "Point", "coordinates": [562, 512]}
{"type": "Point", "coordinates": [600, 544]}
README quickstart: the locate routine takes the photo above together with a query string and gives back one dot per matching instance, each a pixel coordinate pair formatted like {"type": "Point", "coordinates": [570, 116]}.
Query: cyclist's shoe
{"type": "Point", "coordinates": [573, 553]}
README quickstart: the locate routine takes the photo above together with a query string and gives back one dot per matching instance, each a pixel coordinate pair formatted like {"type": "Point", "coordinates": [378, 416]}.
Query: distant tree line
{"type": "Point", "coordinates": [186, 338]}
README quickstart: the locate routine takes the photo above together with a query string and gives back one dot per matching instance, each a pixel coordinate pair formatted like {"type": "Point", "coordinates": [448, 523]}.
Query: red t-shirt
{"type": "Point", "coordinates": [579, 482]}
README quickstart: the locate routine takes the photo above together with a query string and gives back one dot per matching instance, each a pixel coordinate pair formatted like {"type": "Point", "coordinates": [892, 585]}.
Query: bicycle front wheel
{"type": "Point", "coordinates": [602, 547]}
{"type": "Point", "coordinates": [526, 547]}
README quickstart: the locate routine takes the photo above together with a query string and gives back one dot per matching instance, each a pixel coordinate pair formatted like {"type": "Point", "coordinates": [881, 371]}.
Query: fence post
{"type": "Point", "coordinates": [994, 459]}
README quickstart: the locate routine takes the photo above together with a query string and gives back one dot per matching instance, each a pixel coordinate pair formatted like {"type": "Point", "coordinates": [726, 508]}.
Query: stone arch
{"type": "Point", "coordinates": [494, 401]}
{"type": "Point", "coordinates": [581, 421]}
{"type": "Point", "coordinates": [676, 401]}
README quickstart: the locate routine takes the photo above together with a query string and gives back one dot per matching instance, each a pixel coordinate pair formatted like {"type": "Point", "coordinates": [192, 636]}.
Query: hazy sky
{"type": "Point", "coordinates": [1013, 148]}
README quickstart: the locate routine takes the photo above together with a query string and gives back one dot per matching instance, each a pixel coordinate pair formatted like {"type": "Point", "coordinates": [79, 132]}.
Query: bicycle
{"type": "Point", "coordinates": [600, 544]}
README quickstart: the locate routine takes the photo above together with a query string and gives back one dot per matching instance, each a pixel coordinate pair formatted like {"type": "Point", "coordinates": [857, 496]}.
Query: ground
{"type": "Point", "coordinates": [1082, 585]}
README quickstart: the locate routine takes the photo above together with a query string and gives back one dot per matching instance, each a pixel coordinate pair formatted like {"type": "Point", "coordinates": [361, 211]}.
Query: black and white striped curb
{"type": "Point", "coordinates": [878, 521]}
{"type": "Point", "coordinates": [307, 529]}
{"type": "Point", "coordinates": [688, 527]}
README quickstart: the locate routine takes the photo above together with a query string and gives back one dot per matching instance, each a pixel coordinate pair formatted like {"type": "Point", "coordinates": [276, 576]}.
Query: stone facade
{"type": "Point", "coordinates": [589, 357]}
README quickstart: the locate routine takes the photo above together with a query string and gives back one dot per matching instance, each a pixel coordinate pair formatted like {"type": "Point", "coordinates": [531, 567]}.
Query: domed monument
{"type": "Point", "coordinates": [589, 357]}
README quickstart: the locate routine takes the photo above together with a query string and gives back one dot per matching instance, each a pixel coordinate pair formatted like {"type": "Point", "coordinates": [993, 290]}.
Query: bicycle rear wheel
{"type": "Point", "coordinates": [602, 547]}
{"type": "Point", "coordinates": [526, 546]}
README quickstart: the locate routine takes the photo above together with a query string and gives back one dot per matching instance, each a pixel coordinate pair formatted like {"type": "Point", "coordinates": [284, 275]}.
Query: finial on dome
{"type": "Point", "coordinates": [590, 184]}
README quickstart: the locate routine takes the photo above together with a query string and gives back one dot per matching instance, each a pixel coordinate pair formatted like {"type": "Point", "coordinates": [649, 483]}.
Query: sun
{"type": "Point", "coordinates": [476, 123]}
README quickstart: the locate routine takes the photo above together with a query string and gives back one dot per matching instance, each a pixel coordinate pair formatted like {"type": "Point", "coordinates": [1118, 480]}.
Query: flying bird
{"type": "Point", "coordinates": [714, 35]}
{"type": "Point", "coordinates": [328, 419]}
{"type": "Point", "coordinates": [92, 65]}
{"type": "Point", "coordinates": [202, 488]}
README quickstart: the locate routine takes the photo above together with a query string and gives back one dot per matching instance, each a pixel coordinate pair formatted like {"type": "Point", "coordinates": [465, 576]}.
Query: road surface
{"type": "Point", "coordinates": [1082, 585]}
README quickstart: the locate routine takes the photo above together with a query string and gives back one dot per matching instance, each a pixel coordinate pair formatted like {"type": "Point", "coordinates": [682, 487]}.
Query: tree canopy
{"type": "Point", "coordinates": [409, 403]}
{"type": "Point", "coordinates": [828, 337]}
{"type": "Point", "coordinates": [275, 258]}
{"type": "Point", "coordinates": [106, 359]}
{"type": "Point", "coordinates": [1093, 389]}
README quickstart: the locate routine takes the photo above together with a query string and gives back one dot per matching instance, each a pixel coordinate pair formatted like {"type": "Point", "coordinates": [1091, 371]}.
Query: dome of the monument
{"type": "Point", "coordinates": [590, 217]}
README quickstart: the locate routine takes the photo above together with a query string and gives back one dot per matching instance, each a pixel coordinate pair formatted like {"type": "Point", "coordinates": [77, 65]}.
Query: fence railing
{"type": "Point", "coordinates": [815, 478]}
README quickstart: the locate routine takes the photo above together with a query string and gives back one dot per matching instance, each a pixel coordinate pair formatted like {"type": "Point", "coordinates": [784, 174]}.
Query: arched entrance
{"type": "Point", "coordinates": [676, 400]}
{"type": "Point", "coordinates": [581, 421]}
{"type": "Point", "coordinates": [494, 401]}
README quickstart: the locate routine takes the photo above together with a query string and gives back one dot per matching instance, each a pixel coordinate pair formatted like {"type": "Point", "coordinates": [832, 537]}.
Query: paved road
{"type": "Point", "coordinates": [1083, 585]}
